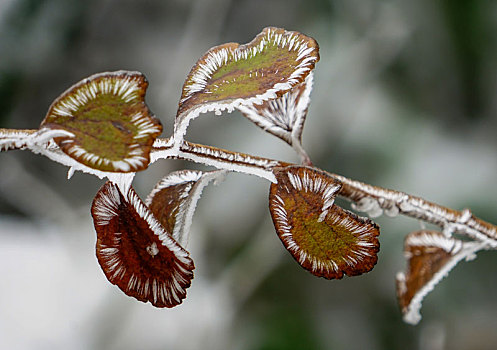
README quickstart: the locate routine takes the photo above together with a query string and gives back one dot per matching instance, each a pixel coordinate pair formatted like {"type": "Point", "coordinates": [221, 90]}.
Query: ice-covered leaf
{"type": "Point", "coordinates": [136, 252]}
{"type": "Point", "coordinates": [112, 128]}
{"type": "Point", "coordinates": [233, 75]}
{"type": "Point", "coordinates": [174, 199]}
{"type": "Point", "coordinates": [283, 117]}
{"type": "Point", "coordinates": [325, 239]}
{"type": "Point", "coordinates": [430, 257]}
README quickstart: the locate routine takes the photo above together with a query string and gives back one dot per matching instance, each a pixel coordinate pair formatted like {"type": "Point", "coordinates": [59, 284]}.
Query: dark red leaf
{"type": "Point", "coordinates": [135, 252]}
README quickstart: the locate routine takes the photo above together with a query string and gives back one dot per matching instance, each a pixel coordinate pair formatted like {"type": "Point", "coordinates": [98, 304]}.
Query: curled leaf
{"type": "Point", "coordinates": [112, 128]}
{"type": "Point", "coordinates": [325, 239]}
{"type": "Point", "coordinates": [174, 199]}
{"type": "Point", "coordinates": [283, 117]}
{"type": "Point", "coordinates": [135, 252]}
{"type": "Point", "coordinates": [233, 75]}
{"type": "Point", "coordinates": [430, 257]}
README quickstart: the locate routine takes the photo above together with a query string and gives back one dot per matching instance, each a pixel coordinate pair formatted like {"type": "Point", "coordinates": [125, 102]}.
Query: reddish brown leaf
{"type": "Point", "coordinates": [174, 199]}
{"type": "Point", "coordinates": [135, 252]}
{"type": "Point", "coordinates": [283, 117]}
{"type": "Point", "coordinates": [324, 238]}
{"type": "Point", "coordinates": [430, 256]}
{"type": "Point", "coordinates": [166, 198]}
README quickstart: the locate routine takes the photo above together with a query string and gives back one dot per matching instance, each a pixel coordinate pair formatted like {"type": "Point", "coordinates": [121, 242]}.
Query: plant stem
{"type": "Point", "coordinates": [368, 198]}
{"type": "Point", "coordinates": [216, 157]}
{"type": "Point", "coordinates": [395, 202]}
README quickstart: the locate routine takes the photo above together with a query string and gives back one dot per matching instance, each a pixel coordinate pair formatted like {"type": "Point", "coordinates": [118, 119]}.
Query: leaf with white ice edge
{"type": "Point", "coordinates": [232, 75]}
{"type": "Point", "coordinates": [136, 252]}
{"type": "Point", "coordinates": [112, 128]}
{"type": "Point", "coordinates": [430, 257]}
{"type": "Point", "coordinates": [174, 199]}
{"type": "Point", "coordinates": [322, 237]}
{"type": "Point", "coordinates": [284, 117]}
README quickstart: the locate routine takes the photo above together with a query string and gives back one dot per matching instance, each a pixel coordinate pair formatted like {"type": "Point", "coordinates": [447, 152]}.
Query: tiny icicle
{"type": "Point", "coordinates": [70, 173]}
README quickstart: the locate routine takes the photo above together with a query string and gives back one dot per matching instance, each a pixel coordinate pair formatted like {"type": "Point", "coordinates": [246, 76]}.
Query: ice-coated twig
{"type": "Point", "coordinates": [366, 198]}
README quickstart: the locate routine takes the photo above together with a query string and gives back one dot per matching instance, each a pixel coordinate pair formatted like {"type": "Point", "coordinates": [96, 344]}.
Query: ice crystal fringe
{"type": "Point", "coordinates": [124, 84]}
{"type": "Point", "coordinates": [283, 117]}
{"type": "Point", "coordinates": [106, 207]}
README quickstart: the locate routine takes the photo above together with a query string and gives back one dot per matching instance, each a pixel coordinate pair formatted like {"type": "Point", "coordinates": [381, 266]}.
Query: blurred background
{"type": "Point", "coordinates": [404, 97]}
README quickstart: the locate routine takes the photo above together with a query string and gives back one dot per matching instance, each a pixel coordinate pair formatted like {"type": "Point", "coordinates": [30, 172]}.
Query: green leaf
{"type": "Point", "coordinates": [233, 75]}
{"type": "Point", "coordinates": [322, 237]}
{"type": "Point", "coordinates": [113, 129]}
